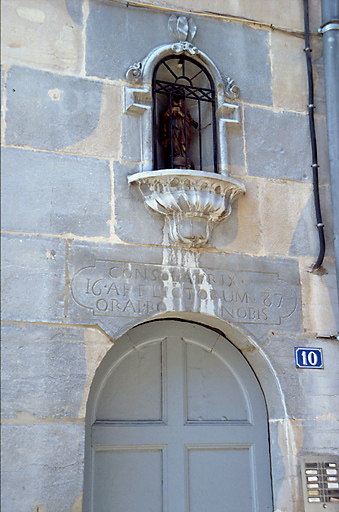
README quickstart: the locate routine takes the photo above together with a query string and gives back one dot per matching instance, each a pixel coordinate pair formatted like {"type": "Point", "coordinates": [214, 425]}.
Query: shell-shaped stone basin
{"type": "Point", "coordinates": [192, 201]}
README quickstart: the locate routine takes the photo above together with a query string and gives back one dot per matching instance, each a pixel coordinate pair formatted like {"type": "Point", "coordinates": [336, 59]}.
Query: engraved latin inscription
{"type": "Point", "coordinates": [116, 288]}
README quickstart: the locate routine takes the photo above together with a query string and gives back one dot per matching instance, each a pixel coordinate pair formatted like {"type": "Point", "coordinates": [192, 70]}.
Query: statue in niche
{"type": "Point", "coordinates": [181, 136]}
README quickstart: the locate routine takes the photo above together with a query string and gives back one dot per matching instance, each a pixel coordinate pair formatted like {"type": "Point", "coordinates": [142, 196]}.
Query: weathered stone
{"type": "Point", "coordinates": [130, 138]}
{"type": "Point", "coordinates": [55, 285]}
{"type": "Point", "coordinates": [327, 217]}
{"type": "Point", "coordinates": [272, 149]}
{"type": "Point", "coordinates": [97, 344]}
{"type": "Point", "coordinates": [43, 370]}
{"type": "Point", "coordinates": [322, 147]}
{"type": "Point", "coordinates": [84, 254]}
{"type": "Point", "coordinates": [305, 240]}
{"type": "Point", "coordinates": [3, 95]}
{"type": "Point", "coordinates": [74, 8]}
{"type": "Point", "coordinates": [286, 443]}
{"type": "Point", "coordinates": [48, 111]}
{"type": "Point", "coordinates": [33, 278]}
{"type": "Point", "coordinates": [264, 11]}
{"type": "Point", "coordinates": [282, 206]}
{"type": "Point", "coordinates": [235, 146]}
{"type": "Point", "coordinates": [42, 464]}
{"type": "Point", "coordinates": [115, 34]}
{"type": "Point", "coordinates": [105, 286]}
{"type": "Point", "coordinates": [289, 73]}
{"type": "Point", "coordinates": [104, 141]}
{"type": "Point", "coordinates": [319, 298]}
{"type": "Point", "coordinates": [130, 34]}
{"type": "Point", "coordinates": [133, 222]}
{"type": "Point", "coordinates": [321, 436]}
{"type": "Point", "coordinates": [305, 390]}
{"type": "Point", "coordinates": [51, 193]}
{"type": "Point", "coordinates": [241, 232]}
{"type": "Point", "coordinates": [42, 32]}
{"type": "Point", "coordinates": [240, 52]}
{"type": "Point", "coordinates": [319, 85]}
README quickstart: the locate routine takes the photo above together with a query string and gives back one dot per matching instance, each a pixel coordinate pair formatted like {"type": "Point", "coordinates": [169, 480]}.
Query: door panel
{"type": "Point", "coordinates": [206, 377]}
{"type": "Point", "coordinates": [220, 476]}
{"type": "Point", "coordinates": [178, 424]}
{"type": "Point", "coordinates": [133, 389]}
{"type": "Point", "coordinates": [117, 469]}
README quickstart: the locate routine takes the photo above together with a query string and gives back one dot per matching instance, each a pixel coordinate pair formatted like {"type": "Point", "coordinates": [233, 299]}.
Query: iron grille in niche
{"type": "Point", "coordinates": [184, 121]}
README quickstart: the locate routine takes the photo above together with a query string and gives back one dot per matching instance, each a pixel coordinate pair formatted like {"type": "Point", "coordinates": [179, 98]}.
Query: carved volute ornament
{"type": "Point", "coordinates": [184, 175]}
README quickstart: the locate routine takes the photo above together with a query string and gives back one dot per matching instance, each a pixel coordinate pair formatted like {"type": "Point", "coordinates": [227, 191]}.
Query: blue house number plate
{"type": "Point", "coordinates": [308, 357]}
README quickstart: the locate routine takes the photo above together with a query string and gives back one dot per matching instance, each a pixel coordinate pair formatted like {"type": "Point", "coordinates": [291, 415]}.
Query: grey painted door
{"type": "Point", "coordinates": [178, 424]}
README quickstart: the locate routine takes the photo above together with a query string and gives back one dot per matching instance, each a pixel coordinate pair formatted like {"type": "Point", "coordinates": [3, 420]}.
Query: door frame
{"type": "Point", "coordinates": [240, 339]}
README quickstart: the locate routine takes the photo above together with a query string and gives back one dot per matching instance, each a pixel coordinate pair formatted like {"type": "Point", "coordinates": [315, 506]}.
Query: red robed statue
{"type": "Point", "coordinates": [181, 135]}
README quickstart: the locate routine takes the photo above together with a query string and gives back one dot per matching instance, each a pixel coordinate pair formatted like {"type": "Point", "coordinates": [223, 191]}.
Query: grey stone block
{"type": "Point", "coordinates": [33, 278]}
{"type": "Point", "coordinates": [327, 216]}
{"type": "Point", "coordinates": [277, 144]}
{"type": "Point", "coordinates": [42, 464]}
{"type": "Point", "coordinates": [305, 241]}
{"type": "Point", "coordinates": [50, 193]}
{"type": "Point", "coordinates": [282, 269]}
{"type": "Point", "coordinates": [235, 146]}
{"type": "Point", "coordinates": [226, 232]}
{"type": "Point", "coordinates": [50, 111]}
{"type": "Point", "coordinates": [321, 436]}
{"type": "Point", "coordinates": [309, 393]}
{"type": "Point", "coordinates": [129, 34]}
{"type": "Point", "coordinates": [319, 93]}
{"type": "Point", "coordinates": [277, 461]}
{"type": "Point", "coordinates": [240, 52]}
{"type": "Point", "coordinates": [133, 222]}
{"type": "Point", "coordinates": [85, 254]}
{"type": "Point", "coordinates": [43, 370]}
{"type": "Point", "coordinates": [131, 150]}
{"type": "Point", "coordinates": [322, 147]}
{"type": "Point", "coordinates": [116, 34]}
{"type": "Point", "coordinates": [74, 8]}
{"type": "Point", "coordinates": [108, 283]}
{"type": "Point", "coordinates": [2, 88]}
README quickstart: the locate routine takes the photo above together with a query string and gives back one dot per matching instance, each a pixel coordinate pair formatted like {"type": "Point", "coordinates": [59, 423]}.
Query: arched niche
{"type": "Point", "coordinates": [138, 98]}
{"type": "Point", "coordinates": [191, 202]}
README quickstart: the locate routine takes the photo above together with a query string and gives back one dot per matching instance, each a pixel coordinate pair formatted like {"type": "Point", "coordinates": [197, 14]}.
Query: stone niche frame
{"type": "Point", "coordinates": [201, 199]}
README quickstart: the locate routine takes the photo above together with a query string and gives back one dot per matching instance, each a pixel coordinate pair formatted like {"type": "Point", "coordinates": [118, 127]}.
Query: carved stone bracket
{"type": "Point", "coordinates": [193, 202]}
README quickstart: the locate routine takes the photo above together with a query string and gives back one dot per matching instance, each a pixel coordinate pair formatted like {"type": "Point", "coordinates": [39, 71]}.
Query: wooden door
{"type": "Point", "coordinates": [178, 423]}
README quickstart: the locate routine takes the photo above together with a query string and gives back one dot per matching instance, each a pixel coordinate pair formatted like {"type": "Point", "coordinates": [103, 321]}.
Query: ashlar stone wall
{"type": "Point", "coordinates": [67, 150]}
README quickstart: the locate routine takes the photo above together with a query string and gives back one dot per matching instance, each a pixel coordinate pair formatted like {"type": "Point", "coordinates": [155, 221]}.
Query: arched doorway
{"type": "Point", "coordinates": [176, 422]}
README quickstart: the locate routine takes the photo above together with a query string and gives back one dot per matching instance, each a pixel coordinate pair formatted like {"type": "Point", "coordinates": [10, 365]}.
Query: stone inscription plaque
{"type": "Point", "coordinates": [121, 289]}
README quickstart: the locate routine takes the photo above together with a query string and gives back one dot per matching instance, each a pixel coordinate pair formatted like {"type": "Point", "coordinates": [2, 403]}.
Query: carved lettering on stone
{"type": "Point", "coordinates": [121, 289]}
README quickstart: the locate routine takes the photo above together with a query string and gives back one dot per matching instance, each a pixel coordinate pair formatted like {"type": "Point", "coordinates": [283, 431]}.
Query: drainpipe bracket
{"type": "Point", "coordinates": [331, 25]}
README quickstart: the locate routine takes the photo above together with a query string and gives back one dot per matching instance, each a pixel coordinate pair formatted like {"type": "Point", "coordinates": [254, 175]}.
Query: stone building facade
{"type": "Point", "coordinates": [85, 263]}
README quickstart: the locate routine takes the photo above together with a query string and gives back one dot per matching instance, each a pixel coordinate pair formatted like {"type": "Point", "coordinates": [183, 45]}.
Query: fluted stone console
{"type": "Point", "coordinates": [193, 202]}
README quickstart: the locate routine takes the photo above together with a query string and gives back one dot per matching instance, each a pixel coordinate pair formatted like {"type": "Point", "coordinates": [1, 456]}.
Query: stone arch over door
{"type": "Point", "coordinates": [176, 420]}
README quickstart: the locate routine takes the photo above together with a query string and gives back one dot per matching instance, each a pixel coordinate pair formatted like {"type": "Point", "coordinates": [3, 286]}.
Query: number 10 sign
{"type": "Point", "coordinates": [308, 357]}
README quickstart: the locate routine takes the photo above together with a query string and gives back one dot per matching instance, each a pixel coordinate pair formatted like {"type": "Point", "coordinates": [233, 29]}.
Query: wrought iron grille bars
{"type": "Point", "coordinates": [182, 87]}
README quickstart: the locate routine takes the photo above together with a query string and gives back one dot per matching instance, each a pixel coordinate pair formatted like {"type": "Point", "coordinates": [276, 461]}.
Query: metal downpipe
{"type": "Point", "coordinates": [330, 33]}
{"type": "Point", "coordinates": [315, 166]}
